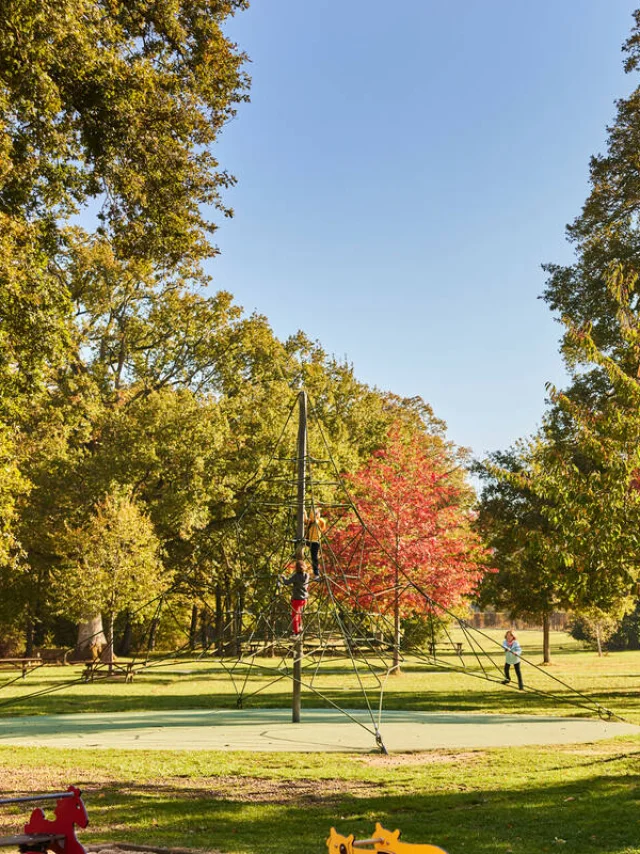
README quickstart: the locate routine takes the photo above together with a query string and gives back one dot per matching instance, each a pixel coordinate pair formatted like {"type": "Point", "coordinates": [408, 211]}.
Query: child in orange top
{"type": "Point", "coordinates": [314, 529]}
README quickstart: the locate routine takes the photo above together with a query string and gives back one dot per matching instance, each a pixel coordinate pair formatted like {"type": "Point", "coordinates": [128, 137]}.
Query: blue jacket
{"type": "Point", "coordinates": [513, 651]}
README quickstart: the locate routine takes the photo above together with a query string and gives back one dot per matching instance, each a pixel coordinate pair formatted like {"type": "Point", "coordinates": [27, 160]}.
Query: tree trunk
{"type": "Point", "coordinates": [36, 628]}
{"type": "Point", "coordinates": [599, 639]}
{"type": "Point", "coordinates": [228, 618]}
{"type": "Point", "coordinates": [91, 640]}
{"type": "Point", "coordinates": [546, 648]}
{"type": "Point", "coordinates": [124, 647]}
{"type": "Point", "coordinates": [153, 634]}
{"type": "Point", "coordinates": [193, 628]}
{"type": "Point", "coordinates": [219, 621]}
{"type": "Point", "coordinates": [205, 633]}
{"type": "Point", "coordinates": [29, 641]}
{"type": "Point", "coordinates": [432, 638]}
{"type": "Point", "coordinates": [238, 621]}
{"type": "Point", "coordinates": [107, 655]}
{"type": "Point", "coordinates": [395, 669]}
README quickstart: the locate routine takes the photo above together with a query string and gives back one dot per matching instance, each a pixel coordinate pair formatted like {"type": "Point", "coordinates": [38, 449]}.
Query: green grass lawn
{"type": "Point", "coordinates": [582, 798]}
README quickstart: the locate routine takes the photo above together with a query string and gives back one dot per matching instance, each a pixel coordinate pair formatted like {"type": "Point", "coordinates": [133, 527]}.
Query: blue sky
{"type": "Point", "coordinates": [403, 171]}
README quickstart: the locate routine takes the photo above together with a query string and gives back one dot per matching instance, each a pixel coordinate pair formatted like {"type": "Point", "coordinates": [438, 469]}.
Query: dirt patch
{"type": "Point", "coordinates": [397, 760]}
{"type": "Point", "coordinates": [224, 788]}
{"type": "Point", "coordinates": [43, 778]}
{"type": "Point", "coordinates": [261, 790]}
{"type": "Point", "coordinates": [126, 848]}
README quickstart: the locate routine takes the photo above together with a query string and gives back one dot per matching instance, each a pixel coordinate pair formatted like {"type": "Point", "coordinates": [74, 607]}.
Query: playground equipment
{"type": "Point", "coordinates": [42, 834]}
{"type": "Point", "coordinates": [383, 842]}
{"type": "Point", "coordinates": [347, 630]}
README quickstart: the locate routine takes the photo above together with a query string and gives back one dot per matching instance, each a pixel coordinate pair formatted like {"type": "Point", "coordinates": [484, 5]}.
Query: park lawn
{"type": "Point", "coordinates": [583, 798]}
{"type": "Point", "coordinates": [576, 678]}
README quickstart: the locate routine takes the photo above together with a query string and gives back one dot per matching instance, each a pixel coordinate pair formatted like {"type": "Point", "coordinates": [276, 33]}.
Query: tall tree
{"type": "Point", "coordinates": [108, 109]}
{"type": "Point", "coordinates": [588, 463]}
{"type": "Point", "coordinates": [564, 512]}
{"type": "Point", "coordinates": [114, 562]}
{"type": "Point", "coordinates": [579, 470]}
{"type": "Point", "coordinates": [526, 554]}
{"type": "Point", "coordinates": [418, 540]}
{"type": "Point", "coordinates": [607, 230]}
{"type": "Point", "coordinates": [118, 102]}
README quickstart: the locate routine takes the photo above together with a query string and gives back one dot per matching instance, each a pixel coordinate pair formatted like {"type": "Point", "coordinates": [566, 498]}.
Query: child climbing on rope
{"type": "Point", "coordinates": [314, 528]}
{"type": "Point", "coordinates": [513, 651]}
{"type": "Point", "coordinates": [299, 582]}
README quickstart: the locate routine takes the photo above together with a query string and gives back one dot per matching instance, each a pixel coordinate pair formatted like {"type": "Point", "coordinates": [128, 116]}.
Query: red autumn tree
{"type": "Point", "coordinates": [416, 549]}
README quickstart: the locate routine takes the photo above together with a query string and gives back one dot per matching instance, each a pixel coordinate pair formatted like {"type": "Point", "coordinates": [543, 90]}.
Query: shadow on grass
{"type": "Point", "coordinates": [504, 700]}
{"type": "Point", "coordinates": [592, 815]}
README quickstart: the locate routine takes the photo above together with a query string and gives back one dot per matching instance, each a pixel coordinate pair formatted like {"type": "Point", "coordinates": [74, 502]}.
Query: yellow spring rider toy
{"type": "Point", "coordinates": [382, 842]}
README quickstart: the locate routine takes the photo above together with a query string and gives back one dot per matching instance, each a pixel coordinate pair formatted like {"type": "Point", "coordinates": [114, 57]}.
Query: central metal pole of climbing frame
{"type": "Point", "coordinates": [301, 457]}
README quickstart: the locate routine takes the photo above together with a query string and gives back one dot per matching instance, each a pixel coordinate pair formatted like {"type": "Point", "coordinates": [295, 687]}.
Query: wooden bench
{"type": "Point", "coordinates": [454, 646]}
{"type": "Point", "coordinates": [25, 664]}
{"type": "Point", "coordinates": [42, 834]}
{"type": "Point", "coordinates": [372, 644]}
{"type": "Point", "coordinates": [57, 655]}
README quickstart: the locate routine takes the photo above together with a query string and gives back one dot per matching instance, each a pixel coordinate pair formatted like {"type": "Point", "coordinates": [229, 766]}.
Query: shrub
{"type": "Point", "coordinates": [627, 636]}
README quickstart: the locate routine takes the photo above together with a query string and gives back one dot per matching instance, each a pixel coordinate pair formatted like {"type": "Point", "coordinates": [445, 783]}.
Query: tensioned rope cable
{"type": "Point", "coordinates": [593, 706]}
{"type": "Point", "coordinates": [263, 667]}
{"type": "Point", "coordinates": [66, 683]}
{"type": "Point", "coordinates": [352, 506]}
{"type": "Point", "coordinates": [270, 628]}
{"type": "Point", "coordinates": [498, 680]}
{"type": "Point", "coordinates": [158, 662]}
{"type": "Point", "coordinates": [238, 521]}
{"type": "Point", "coordinates": [255, 499]}
{"type": "Point", "coordinates": [264, 618]}
{"type": "Point", "coordinates": [350, 641]}
{"type": "Point", "coordinates": [466, 629]}
{"type": "Point", "coordinates": [21, 676]}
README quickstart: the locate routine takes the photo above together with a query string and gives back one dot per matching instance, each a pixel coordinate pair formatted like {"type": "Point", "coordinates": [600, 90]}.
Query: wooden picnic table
{"type": "Point", "coordinates": [25, 664]}
{"type": "Point", "coordinates": [97, 667]}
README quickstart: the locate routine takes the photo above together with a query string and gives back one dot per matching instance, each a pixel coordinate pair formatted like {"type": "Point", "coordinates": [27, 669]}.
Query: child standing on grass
{"type": "Point", "coordinates": [513, 651]}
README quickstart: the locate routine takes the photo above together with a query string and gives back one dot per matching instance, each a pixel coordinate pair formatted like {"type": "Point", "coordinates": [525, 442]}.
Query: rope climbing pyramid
{"type": "Point", "coordinates": [341, 618]}
{"type": "Point", "coordinates": [332, 638]}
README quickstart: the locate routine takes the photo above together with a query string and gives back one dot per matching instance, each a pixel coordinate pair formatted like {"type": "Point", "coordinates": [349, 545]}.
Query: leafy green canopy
{"type": "Point", "coordinates": [607, 231]}
{"type": "Point", "coordinates": [119, 102]}
{"type": "Point", "coordinates": [114, 561]}
{"type": "Point", "coordinates": [562, 510]}
{"type": "Point", "coordinates": [114, 104]}
{"type": "Point", "coordinates": [119, 375]}
{"type": "Point", "coordinates": [107, 109]}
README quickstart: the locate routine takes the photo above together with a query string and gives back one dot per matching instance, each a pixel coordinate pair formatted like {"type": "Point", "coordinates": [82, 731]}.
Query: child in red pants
{"type": "Point", "coordinates": [299, 582]}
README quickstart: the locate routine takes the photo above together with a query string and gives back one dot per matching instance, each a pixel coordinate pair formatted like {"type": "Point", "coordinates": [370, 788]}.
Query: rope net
{"type": "Point", "coordinates": [350, 632]}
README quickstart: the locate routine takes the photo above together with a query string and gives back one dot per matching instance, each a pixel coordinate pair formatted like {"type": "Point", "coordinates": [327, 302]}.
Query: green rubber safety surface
{"type": "Point", "coordinates": [319, 730]}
